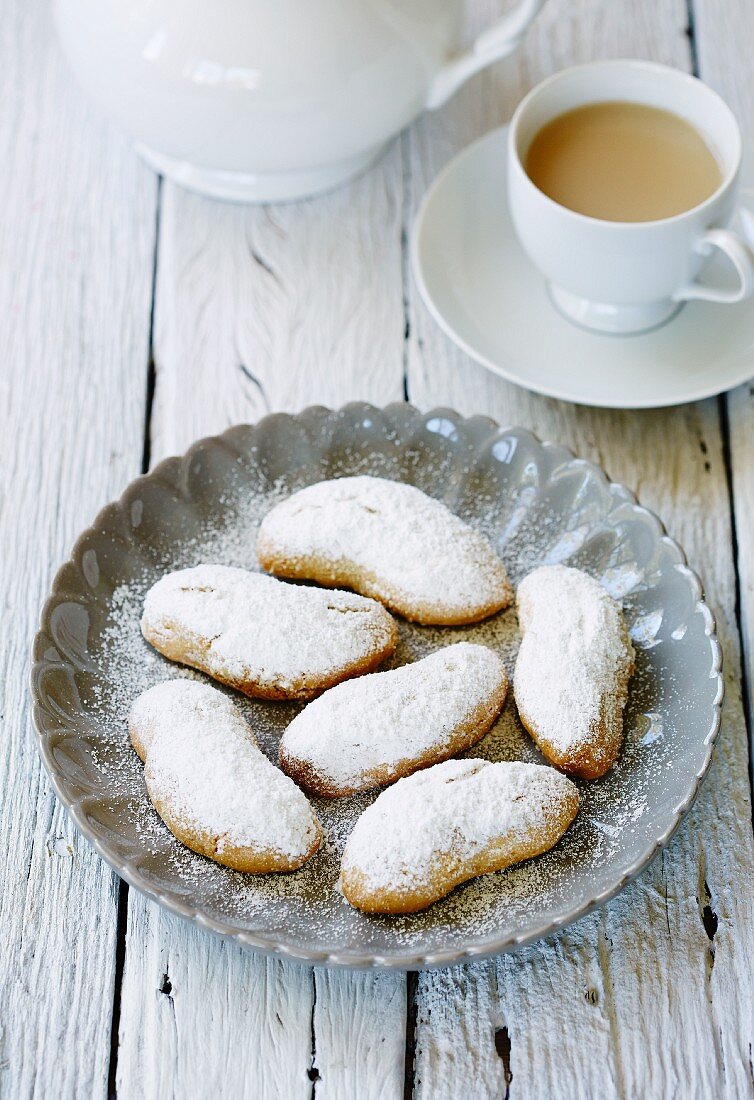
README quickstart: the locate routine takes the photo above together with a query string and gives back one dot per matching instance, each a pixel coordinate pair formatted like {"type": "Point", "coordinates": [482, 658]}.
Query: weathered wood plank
{"type": "Point", "coordinates": [359, 1031]}
{"type": "Point", "coordinates": [260, 309]}
{"type": "Point", "coordinates": [76, 244]}
{"type": "Point", "coordinates": [606, 1007]}
{"type": "Point", "coordinates": [216, 1020]}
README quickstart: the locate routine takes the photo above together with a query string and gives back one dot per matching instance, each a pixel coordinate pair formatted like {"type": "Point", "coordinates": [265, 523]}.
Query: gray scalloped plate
{"type": "Point", "coordinates": [538, 504]}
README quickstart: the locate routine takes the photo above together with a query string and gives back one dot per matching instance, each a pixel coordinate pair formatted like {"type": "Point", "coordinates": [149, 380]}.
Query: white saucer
{"type": "Point", "coordinates": [483, 291]}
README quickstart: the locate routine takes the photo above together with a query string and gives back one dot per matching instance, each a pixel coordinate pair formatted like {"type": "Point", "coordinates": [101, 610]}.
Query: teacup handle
{"type": "Point", "coordinates": [739, 254]}
{"type": "Point", "coordinates": [502, 38]}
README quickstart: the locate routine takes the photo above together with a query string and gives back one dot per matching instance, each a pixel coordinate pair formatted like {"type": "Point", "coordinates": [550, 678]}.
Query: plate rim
{"type": "Point", "coordinates": [498, 135]}
{"type": "Point", "coordinates": [400, 960]}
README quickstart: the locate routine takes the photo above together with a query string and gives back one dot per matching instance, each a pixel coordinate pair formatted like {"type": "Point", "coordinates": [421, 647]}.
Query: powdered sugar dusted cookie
{"type": "Point", "coordinates": [448, 824]}
{"type": "Point", "coordinates": [379, 728]}
{"type": "Point", "coordinates": [213, 787]}
{"type": "Point", "coordinates": [573, 668]}
{"type": "Point", "coordinates": [387, 540]}
{"type": "Point", "coordinates": [264, 637]}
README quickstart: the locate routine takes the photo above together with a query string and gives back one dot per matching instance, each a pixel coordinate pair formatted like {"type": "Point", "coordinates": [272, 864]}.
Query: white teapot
{"type": "Point", "coordinates": [260, 100]}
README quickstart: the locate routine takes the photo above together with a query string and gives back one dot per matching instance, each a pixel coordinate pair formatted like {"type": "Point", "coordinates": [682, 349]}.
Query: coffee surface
{"type": "Point", "coordinates": [623, 162]}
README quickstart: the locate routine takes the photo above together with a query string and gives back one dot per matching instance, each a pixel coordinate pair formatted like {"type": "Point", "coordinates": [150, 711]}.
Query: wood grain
{"type": "Point", "coordinates": [76, 240]}
{"type": "Point", "coordinates": [276, 307]}
{"type": "Point", "coordinates": [214, 1019]}
{"type": "Point", "coordinates": [604, 1007]}
{"type": "Point", "coordinates": [359, 1023]}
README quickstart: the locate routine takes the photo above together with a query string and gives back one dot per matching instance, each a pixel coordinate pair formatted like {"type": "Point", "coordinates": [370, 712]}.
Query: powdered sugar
{"type": "Point", "coordinates": [574, 658]}
{"type": "Point", "coordinates": [450, 815]}
{"type": "Point", "coordinates": [191, 705]}
{"type": "Point", "coordinates": [305, 907]}
{"type": "Point", "coordinates": [369, 730]}
{"type": "Point", "coordinates": [205, 771]}
{"type": "Point", "coordinates": [388, 540]}
{"type": "Point", "coordinates": [261, 633]}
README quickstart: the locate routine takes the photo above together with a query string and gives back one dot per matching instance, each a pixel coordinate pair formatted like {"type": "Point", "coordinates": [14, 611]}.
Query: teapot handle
{"type": "Point", "coordinates": [502, 38]}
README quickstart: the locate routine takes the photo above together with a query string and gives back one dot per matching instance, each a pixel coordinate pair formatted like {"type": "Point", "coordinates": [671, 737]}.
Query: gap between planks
{"type": "Point", "coordinates": [123, 888]}
{"type": "Point", "coordinates": [722, 404]}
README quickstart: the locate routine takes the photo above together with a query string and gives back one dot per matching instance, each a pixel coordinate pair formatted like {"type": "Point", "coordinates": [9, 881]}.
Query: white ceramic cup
{"type": "Point", "coordinates": [624, 277]}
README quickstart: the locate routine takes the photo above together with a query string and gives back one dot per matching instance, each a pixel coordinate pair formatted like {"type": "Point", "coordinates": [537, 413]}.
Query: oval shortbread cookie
{"type": "Point", "coordinates": [572, 671]}
{"type": "Point", "coordinates": [450, 823]}
{"type": "Point", "coordinates": [213, 787]}
{"type": "Point", "coordinates": [266, 638]}
{"type": "Point", "coordinates": [379, 728]}
{"type": "Point", "coordinates": [388, 540]}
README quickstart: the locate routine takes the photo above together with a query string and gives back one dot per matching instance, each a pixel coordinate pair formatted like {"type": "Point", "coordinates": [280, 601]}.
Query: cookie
{"type": "Point", "coordinates": [266, 638]}
{"type": "Point", "coordinates": [572, 672]}
{"type": "Point", "coordinates": [213, 787]}
{"type": "Point", "coordinates": [379, 728]}
{"type": "Point", "coordinates": [440, 827]}
{"type": "Point", "coordinates": [387, 540]}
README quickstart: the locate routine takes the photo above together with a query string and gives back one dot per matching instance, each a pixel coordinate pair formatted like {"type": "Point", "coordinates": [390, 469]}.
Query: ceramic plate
{"type": "Point", "coordinates": [483, 291]}
{"type": "Point", "coordinates": [537, 503]}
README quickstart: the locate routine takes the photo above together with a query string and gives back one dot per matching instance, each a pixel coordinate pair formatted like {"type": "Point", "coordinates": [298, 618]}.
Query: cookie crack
{"type": "Point", "coordinates": [462, 778]}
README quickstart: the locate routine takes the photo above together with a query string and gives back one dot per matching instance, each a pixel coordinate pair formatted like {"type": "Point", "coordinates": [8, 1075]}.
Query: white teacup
{"type": "Point", "coordinates": [624, 277]}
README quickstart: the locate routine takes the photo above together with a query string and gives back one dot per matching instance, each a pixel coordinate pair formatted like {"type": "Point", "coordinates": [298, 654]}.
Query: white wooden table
{"type": "Point", "coordinates": [135, 317]}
